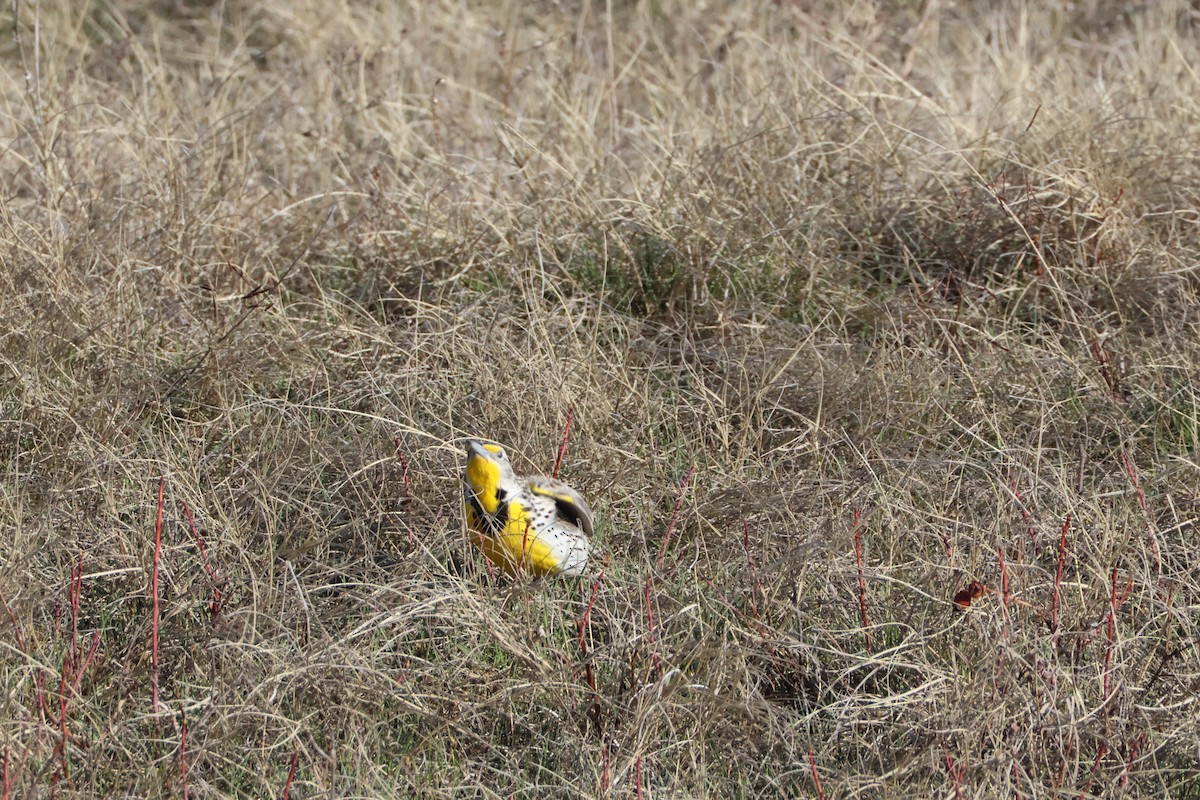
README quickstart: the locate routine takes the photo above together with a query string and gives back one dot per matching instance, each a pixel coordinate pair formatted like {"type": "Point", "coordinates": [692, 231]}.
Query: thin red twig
{"type": "Point", "coordinates": [585, 621]}
{"type": "Point", "coordinates": [637, 776]}
{"type": "Point", "coordinates": [287, 787]}
{"type": "Point", "coordinates": [1135, 750]}
{"type": "Point", "coordinates": [1004, 595]}
{"type": "Point", "coordinates": [183, 756]}
{"type": "Point", "coordinates": [406, 479]}
{"type": "Point", "coordinates": [1141, 496]}
{"type": "Point", "coordinates": [1104, 364]}
{"type": "Point", "coordinates": [562, 448]}
{"type": "Point", "coordinates": [683, 487]}
{"type": "Point", "coordinates": [63, 703]}
{"type": "Point", "coordinates": [1113, 605]}
{"type": "Point", "coordinates": [741, 615]}
{"type": "Point", "coordinates": [16, 627]}
{"type": "Point", "coordinates": [162, 483]}
{"type": "Point", "coordinates": [1025, 516]}
{"type": "Point", "coordinates": [812, 766]}
{"type": "Point", "coordinates": [91, 653]}
{"type": "Point", "coordinates": [604, 777]}
{"type": "Point", "coordinates": [1092, 775]}
{"type": "Point", "coordinates": [756, 586]}
{"type": "Point", "coordinates": [589, 674]}
{"type": "Point", "coordinates": [862, 582]}
{"type": "Point", "coordinates": [74, 592]}
{"type": "Point", "coordinates": [650, 623]}
{"type": "Point", "coordinates": [956, 775]}
{"type": "Point", "coordinates": [214, 608]}
{"type": "Point", "coordinates": [1062, 558]}
{"type": "Point", "coordinates": [1133, 479]}
{"type": "Point", "coordinates": [39, 686]}
{"type": "Point", "coordinates": [948, 546]}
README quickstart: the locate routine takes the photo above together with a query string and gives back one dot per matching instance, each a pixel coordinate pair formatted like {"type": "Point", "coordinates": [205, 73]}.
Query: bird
{"type": "Point", "coordinates": [524, 524]}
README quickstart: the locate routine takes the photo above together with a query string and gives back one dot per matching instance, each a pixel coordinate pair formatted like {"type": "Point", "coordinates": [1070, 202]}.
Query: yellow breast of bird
{"type": "Point", "coordinates": [522, 544]}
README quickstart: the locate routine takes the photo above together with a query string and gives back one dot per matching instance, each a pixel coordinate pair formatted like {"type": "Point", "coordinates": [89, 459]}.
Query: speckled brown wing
{"type": "Point", "coordinates": [570, 505]}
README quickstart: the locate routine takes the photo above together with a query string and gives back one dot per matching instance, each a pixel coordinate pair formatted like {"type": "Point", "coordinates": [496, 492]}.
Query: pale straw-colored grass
{"type": "Point", "coordinates": [930, 266]}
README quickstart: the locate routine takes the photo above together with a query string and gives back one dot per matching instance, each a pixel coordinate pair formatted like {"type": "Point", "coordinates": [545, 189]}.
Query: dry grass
{"type": "Point", "coordinates": [916, 277]}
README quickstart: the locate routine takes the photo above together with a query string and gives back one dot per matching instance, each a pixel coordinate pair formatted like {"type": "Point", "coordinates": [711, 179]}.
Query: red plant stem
{"type": "Point", "coordinates": [649, 613]}
{"type": "Point", "coordinates": [1029, 530]}
{"type": "Point", "coordinates": [741, 615]}
{"type": "Point", "coordinates": [604, 777]}
{"type": "Point", "coordinates": [637, 776]}
{"type": "Point", "coordinates": [1104, 365]}
{"type": "Point", "coordinates": [40, 693]}
{"type": "Point", "coordinates": [812, 766]}
{"type": "Point", "coordinates": [183, 756]}
{"type": "Point", "coordinates": [1134, 751]}
{"type": "Point", "coordinates": [956, 775]}
{"type": "Point", "coordinates": [650, 622]}
{"type": "Point", "coordinates": [162, 482]}
{"type": "Point", "coordinates": [1004, 595]}
{"type": "Point", "coordinates": [406, 478]}
{"type": "Point", "coordinates": [287, 787]}
{"type": "Point", "coordinates": [862, 583]}
{"type": "Point", "coordinates": [1133, 479]}
{"type": "Point", "coordinates": [948, 546]}
{"type": "Point", "coordinates": [1112, 629]}
{"type": "Point", "coordinates": [662, 553]}
{"type": "Point", "coordinates": [1141, 496]}
{"type": "Point", "coordinates": [16, 626]}
{"type": "Point", "coordinates": [215, 607]}
{"type": "Point", "coordinates": [562, 448]}
{"type": "Point", "coordinates": [91, 653]}
{"type": "Point", "coordinates": [585, 621]}
{"type": "Point", "coordinates": [73, 596]}
{"type": "Point", "coordinates": [62, 719]}
{"type": "Point", "coordinates": [589, 673]}
{"type": "Point", "coordinates": [1095, 765]}
{"type": "Point", "coordinates": [1062, 559]}
{"type": "Point", "coordinates": [753, 574]}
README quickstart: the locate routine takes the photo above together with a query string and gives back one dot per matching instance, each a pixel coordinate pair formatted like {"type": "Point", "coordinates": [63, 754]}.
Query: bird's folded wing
{"type": "Point", "coordinates": [569, 503]}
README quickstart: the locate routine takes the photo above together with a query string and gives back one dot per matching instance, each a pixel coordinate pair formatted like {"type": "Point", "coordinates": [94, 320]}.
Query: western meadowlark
{"type": "Point", "coordinates": [531, 524]}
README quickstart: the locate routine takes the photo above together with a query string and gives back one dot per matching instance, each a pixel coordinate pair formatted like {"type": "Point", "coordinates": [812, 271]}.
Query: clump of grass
{"type": "Point", "coordinates": [841, 308]}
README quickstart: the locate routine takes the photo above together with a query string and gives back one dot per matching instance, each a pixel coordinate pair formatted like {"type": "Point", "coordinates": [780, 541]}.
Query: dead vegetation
{"type": "Point", "coordinates": [850, 305]}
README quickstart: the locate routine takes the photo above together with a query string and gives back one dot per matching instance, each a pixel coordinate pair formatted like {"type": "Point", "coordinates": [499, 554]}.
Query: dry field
{"type": "Point", "coordinates": [837, 307]}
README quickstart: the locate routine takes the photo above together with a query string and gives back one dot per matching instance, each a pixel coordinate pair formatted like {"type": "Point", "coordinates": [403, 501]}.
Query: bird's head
{"type": "Point", "coordinates": [488, 480]}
